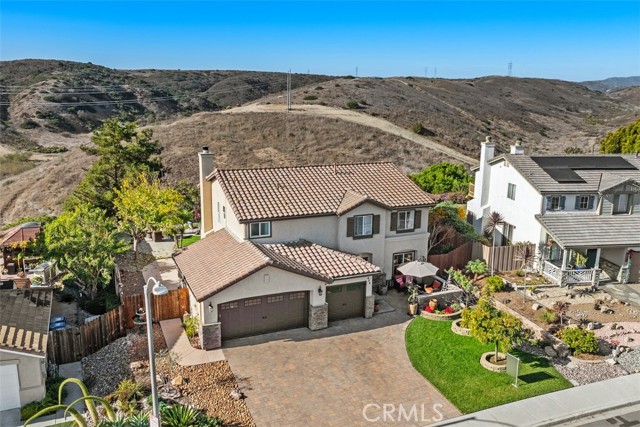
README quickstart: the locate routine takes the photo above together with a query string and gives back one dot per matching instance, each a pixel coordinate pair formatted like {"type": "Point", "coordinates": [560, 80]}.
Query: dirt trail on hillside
{"type": "Point", "coordinates": [354, 117]}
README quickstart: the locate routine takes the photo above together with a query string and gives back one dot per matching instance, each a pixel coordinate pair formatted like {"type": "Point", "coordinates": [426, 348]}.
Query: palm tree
{"type": "Point", "coordinates": [494, 221]}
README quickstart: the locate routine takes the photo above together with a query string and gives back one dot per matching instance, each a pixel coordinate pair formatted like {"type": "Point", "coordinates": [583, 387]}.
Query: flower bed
{"type": "Point", "coordinates": [459, 330]}
{"type": "Point", "coordinates": [441, 316]}
{"type": "Point", "coordinates": [448, 311]}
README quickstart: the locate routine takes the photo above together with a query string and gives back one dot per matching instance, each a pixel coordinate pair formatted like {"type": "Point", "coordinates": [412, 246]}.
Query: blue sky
{"type": "Point", "coordinates": [572, 40]}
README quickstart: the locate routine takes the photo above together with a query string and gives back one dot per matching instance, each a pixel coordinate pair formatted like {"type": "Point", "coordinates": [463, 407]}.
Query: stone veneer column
{"type": "Point", "coordinates": [377, 282]}
{"type": "Point", "coordinates": [318, 317]}
{"type": "Point", "coordinates": [595, 280]}
{"type": "Point", "coordinates": [211, 336]}
{"type": "Point", "coordinates": [368, 306]}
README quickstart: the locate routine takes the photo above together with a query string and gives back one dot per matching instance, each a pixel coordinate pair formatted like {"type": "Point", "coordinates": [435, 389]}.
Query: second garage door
{"type": "Point", "coordinates": [10, 387]}
{"type": "Point", "coordinates": [259, 315]}
{"type": "Point", "coordinates": [346, 301]}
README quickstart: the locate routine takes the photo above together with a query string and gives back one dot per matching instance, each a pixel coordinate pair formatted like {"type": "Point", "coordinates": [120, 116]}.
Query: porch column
{"type": "Point", "coordinates": [565, 258]}
{"type": "Point", "coordinates": [595, 278]}
{"type": "Point", "coordinates": [596, 265]}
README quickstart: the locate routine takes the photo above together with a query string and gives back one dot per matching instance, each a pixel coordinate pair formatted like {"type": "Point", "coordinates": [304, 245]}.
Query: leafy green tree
{"type": "Point", "coordinates": [84, 241]}
{"type": "Point", "coordinates": [477, 267]}
{"type": "Point", "coordinates": [143, 204]}
{"type": "Point", "coordinates": [490, 325]}
{"type": "Point", "coordinates": [191, 200]}
{"type": "Point", "coordinates": [443, 178]}
{"type": "Point", "coordinates": [122, 150]}
{"type": "Point", "coordinates": [625, 140]}
{"type": "Point", "coordinates": [445, 219]}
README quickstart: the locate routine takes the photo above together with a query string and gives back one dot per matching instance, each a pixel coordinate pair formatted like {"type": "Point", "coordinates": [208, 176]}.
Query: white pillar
{"type": "Point", "coordinates": [565, 257]}
{"type": "Point", "coordinates": [596, 265]}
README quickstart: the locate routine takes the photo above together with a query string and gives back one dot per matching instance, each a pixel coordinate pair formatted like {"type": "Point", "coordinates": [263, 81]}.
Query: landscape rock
{"type": "Point", "coordinates": [536, 306]}
{"type": "Point", "coordinates": [611, 361]}
{"type": "Point", "coordinates": [614, 326]}
{"type": "Point", "coordinates": [177, 381]}
{"type": "Point", "coordinates": [605, 309]}
{"type": "Point", "coordinates": [549, 351]}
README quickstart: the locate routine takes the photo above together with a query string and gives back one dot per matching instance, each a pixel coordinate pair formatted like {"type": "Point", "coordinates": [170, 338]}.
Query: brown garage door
{"type": "Point", "coordinates": [269, 313]}
{"type": "Point", "coordinates": [346, 301]}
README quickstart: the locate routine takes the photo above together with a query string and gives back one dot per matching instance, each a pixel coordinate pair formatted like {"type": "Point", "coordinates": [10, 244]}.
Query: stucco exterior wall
{"type": "Point", "coordinates": [31, 374]}
{"type": "Point", "coordinates": [229, 221]}
{"type": "Point", "coordinates": [258, 284]}
{"type": "Point", "coordinates": [320, 230]}
{"type": "Point", "coordinates": [373, 245]}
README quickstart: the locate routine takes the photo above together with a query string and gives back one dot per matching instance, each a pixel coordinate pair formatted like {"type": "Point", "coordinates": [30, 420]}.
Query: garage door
{"type": "Point", "coordinates": [10, 387]}
{"type": "Point", "coordinates": [269, 313]}
{"type": "Point", "coordinates": [346, 301]}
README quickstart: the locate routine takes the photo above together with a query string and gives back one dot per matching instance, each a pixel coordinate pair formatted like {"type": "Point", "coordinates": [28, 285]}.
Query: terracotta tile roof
{"type": "Point", "coordinates": [271, 193]}
{"type": "Point", "coordinates": [220, 260]}
{"type": "Point", "coordinates": [24, 320]}
{"type": "Point", "coordinates": [327, 262]}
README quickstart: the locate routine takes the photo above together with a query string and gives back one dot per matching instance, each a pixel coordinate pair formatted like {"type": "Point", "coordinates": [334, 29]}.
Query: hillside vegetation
{"type": "Point", "coordinates": [625, 140]}
{"type": "Point", "coordinates": [51, 106]}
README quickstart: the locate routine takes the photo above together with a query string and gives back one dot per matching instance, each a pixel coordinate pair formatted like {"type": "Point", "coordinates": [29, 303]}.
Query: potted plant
{"type": "Point", "coordinates": [376, 306]}
{"type": "Point", "coordinates": [413, 299]}
{"type": "Point", "coordinates": [581, 261]}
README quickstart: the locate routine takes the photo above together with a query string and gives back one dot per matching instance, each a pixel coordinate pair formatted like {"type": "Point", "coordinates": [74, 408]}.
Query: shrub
{"type": "Point", "coordinates": [579, 340]}
{"type": "Point", "coordinates": [310, 98]}
{"type": "Point", "coordinates": [495, 283]}
{"type": "Point", "coordinates": [353, 105]}
{"type": "Point", "coordinates": [519, 273]}
{"type": "Point", "coordinates": [191, 326]}
{"type": "Point", "coordinates": [181, 416]}
{"type": "Point", "coordinates": [548, 316]}
{"type": "Point", "coordinates": [128, 390]}
{"type": "Point", "coordinates": [29, 124]}
{"type": "Point", "coordinates": [319, 88]}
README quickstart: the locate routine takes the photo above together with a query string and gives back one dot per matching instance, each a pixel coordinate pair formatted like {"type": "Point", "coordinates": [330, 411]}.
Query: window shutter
{"type": "Point", "coordinates": [548, 203]}
{"type": "Point", "coordinates": [591, 201]}
{"type": "Point", "coordinates": [376, 224]}
{"type": "Point", "coordinates": [350, 227]}
{"type": "Point", "coordinates": [417, 217]}
{"type": "Point", "coordinates": [562, 200]}
{"type": "Point", "coordinates": [394, 221]}
{"type": "Point", "coordinates": [577, 206]}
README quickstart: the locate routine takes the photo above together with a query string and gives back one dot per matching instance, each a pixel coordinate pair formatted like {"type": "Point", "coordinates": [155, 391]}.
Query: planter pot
{"type": "Point", "coordinates": [459, 330]}
{"type": "Point", "coordinates": [435, 316]}
{"type": "Point", "coordinates": [376, 307]}
{"type": "Point", "coordinates": [487, 364]}
{"type": "Point", "coordinates": [433, 304]}
{"type": "Point", "coordinates": [413, 309]}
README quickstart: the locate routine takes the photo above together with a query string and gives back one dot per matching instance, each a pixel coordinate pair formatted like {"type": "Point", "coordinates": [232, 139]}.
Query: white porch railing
{"type": "Point", "coordinates": [551, 271]}
{"type": "Point", "coordinates": [567, 277]}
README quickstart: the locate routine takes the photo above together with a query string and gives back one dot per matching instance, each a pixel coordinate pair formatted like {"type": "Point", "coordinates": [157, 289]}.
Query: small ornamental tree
{"type": "Point", "coordinates": [490, 325]}
{"type": "Point", "coordinates": [478, 267]}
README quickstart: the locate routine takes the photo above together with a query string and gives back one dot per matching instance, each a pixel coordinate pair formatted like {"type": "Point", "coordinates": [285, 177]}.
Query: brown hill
{"type": "Point", "coordinates": [549, 115]}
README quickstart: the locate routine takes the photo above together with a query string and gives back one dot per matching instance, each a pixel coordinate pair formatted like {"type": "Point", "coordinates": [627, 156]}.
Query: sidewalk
{"type": "Point", "coordinates": [178, 343]}
{"type": "Point", "coordinates": [164, 270]}
{"type": "Point", "coordinates": [559, 407]}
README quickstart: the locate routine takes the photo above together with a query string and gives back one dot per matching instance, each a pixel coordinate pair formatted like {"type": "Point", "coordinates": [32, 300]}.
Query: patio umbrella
{"type": "Point", "coordinates": [418, 268]}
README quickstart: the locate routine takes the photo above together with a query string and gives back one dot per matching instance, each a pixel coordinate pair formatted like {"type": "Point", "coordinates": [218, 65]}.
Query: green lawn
{"type": "Point", "coordinates": [189, 240]}
{"type": "Point", "coordinates": [452, 364]}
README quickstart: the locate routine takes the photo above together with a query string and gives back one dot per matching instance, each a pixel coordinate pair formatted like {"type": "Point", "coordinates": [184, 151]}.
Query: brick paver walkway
{"type": "Point", "coordinates": [301, 378]}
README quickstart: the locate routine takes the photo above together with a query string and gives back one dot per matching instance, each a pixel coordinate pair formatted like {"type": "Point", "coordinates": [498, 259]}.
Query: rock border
{"type": "Point", "coordinates": [441, 317]}
{"type": "Point", "coordinates": [579, 361]}
{"type": "Point", "coordinates": [459, 330]}
{"type": "Point", "coordinates": [484, 361]}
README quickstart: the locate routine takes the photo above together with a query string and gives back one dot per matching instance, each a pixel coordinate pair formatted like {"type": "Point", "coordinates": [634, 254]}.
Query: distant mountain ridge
{"type": "Point", "coordinates": [612, 83]}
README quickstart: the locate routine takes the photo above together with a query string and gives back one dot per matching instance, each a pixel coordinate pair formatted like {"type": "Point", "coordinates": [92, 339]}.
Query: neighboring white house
{"type": "Point", "coordinates": [24, 328]}
{"type": "Point", "coordinates": [567, 205]}
{"type": "Point", "coordinates": [298, 246]}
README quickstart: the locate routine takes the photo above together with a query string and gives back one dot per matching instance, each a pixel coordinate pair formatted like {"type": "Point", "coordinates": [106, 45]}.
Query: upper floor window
{"type": "Point", "coordinates": [222, 212]}
{"type": "Point", "coordinates": [363, 226]}
{"type": "Point", "coordinates": [555, 203]}
{"type": "Point", "coordinates": [405, 220]}
{"type": "Point", "coordinates": [511, 191]}
{"type": "Point", "coordinates": [584, 202]}
{"type": "Point", "coordinates": [622, 203]}
{"type": "Point", "coordinates": [260, 229]}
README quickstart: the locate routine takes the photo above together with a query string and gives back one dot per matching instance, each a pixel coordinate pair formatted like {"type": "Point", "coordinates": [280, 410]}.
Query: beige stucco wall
{"type": "Point", "coordinates": [320, 230]}
{"type": "Point", "coordinates": [373, 245]}
{"type": "Point", "coordinates": [279, 281]}
{"type": "Point", "coordinates": [31, 374]}
{"type": "Point", "coordinates": [230, 221]}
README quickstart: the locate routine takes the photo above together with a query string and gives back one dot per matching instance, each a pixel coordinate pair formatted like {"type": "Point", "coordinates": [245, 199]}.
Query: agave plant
{"type": "Point", "coordinates": [181, 416]}
{"type": "Point", "coordinates": [78, 418]}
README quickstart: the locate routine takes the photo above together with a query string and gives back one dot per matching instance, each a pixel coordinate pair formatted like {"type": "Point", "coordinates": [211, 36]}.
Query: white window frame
{"type": "Point", "coordinates": [511, 191]}
{"type": "Point", "coordinates": [583, 202]}
{"type": "Point", "coordinates": [363, 225]}
{"type": "Point", "coordinates": [555, 203]}
{"type": "Point", "coordinates": [616, 204]}
{"type": "Point", "coordinates": [406, 220]}
{"type": "Point", "coordinates": [263, 229]}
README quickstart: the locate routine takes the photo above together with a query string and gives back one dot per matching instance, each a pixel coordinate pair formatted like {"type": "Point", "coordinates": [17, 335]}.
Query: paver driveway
{"type": "Point", "coordinates": [341, 376]}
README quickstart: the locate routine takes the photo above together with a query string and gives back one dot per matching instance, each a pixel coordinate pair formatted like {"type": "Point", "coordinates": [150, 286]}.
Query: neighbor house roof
{"type": "Point", "coordinates": [591, 230]}
{"type": "Point", "coordinates": [19, 233]}
{"type": "Point", "coordinates": [24, 320]}
{"type": "Point", "coordinates": [220, 260]}
{"type": "Point", "coordinates": [592, 177]}
{"type": "Point", "coordinates": [271, 193]}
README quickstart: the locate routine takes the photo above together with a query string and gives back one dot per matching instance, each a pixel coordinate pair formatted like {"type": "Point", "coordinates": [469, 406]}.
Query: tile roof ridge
{"type": "Point", "coordinates": [307, 166]}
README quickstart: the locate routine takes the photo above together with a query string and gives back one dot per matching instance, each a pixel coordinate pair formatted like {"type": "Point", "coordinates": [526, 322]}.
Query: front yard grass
{"type": "Point", "coordinates": [189, 240]}
{"type": "Point", "coordinates": [452, 364]}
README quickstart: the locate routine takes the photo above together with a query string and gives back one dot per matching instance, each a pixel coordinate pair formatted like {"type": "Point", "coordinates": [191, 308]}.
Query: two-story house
{"type": "Point", "coordinates": [568, 205]}
{"type": "Point", "coordinates": [287, 247]}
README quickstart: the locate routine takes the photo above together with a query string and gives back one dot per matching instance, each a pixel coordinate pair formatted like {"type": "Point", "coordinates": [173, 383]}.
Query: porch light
{"type": "Point", "coordinates": [210, 308]}
{"type": "Point", "coordinates": [320, 290]}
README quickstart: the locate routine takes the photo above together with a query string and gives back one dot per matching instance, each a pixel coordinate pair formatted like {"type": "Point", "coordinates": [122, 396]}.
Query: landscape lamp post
{"type": "Point", "coordinates": [158, 289]}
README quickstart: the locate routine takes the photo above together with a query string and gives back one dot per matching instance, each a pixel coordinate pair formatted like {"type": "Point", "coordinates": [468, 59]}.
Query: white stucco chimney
{"type": "Point", "coordinates": [206, 203]}
{"type": "Point", "coordinates": [487, 151]}
{"type": "Point", "coordinates": [517, 148]}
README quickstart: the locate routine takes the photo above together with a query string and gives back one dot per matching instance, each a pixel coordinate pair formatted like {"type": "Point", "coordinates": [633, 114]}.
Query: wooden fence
{"type": "Point", "coordinates": [457, 258]}
{"type": "Point", "coordinates": [169, 306]}
{"type": "Point", "coordinates": [506, 257]}
{"type": "Point", "coordinates": [72, 344]}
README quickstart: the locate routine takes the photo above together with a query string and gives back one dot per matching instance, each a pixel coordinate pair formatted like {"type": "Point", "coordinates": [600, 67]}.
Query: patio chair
{"type": "Point", "coordinates": [401, 285]}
